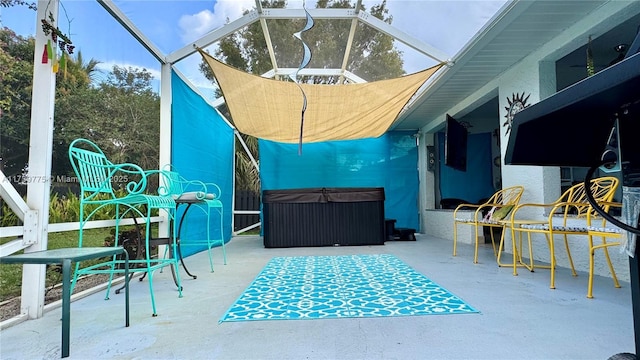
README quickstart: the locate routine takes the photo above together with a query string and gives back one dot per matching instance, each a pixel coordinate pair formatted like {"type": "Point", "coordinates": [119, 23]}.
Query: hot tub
{"type": "Point", "coordinates": [323, 217]}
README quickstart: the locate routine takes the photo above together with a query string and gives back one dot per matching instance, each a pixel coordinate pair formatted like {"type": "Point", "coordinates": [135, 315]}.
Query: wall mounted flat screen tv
{"type": "Point", "coordinates": [455, 145]}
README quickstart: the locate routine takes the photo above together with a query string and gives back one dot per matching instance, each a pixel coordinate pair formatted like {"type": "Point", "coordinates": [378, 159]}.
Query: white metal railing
{"type": "Point", "coordinates": [252, 226]}
{"type": "Point", "coordinates": [17, 231]}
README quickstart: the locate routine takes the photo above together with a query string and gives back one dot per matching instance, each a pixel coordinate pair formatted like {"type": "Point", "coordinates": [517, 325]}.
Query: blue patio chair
{"type": "Point", "coordinates": [202, 196]}
{"type": "Point", "coordinates": [96, 176]}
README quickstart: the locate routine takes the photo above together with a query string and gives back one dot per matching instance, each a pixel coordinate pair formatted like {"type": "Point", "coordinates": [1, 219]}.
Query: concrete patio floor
{"type": "Point", "coordinates": [520, 317]}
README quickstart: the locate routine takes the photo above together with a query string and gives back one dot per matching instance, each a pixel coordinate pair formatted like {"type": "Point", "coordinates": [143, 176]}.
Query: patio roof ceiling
{"type": "Point", "coordinates": [516, 31]}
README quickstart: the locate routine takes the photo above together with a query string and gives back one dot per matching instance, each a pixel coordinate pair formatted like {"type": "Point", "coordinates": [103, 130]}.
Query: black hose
{"type": "Point", "coordinates": [596, 206]}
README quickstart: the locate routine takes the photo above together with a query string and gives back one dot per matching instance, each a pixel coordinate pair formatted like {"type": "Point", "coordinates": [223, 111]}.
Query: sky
{"type": "Point", "coordinates": [171, 24]}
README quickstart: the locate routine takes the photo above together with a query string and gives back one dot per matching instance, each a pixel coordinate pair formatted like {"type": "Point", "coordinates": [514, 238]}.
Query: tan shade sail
{"type": "Point", "coordinates": [271, 109]}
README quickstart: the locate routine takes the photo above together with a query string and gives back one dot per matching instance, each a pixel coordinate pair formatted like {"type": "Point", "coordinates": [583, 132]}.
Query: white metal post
{"type": "Point", "coordinates": [165, 137]}
{"type": "Point", "coordinates": [40, 148]}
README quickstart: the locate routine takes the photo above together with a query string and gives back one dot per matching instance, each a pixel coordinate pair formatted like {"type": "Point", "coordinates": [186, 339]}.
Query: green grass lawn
{"type": "Point", "coordinates": [11, 274]}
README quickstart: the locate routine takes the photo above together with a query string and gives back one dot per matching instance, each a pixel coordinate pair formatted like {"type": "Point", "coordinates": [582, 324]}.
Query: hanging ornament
{"type": "Point", "coordinates": [306, 58]}
{"type": "Point", "coordinates": [54, 59]}
{"type": "Point", "coordinates": [63, 64]}
{"type": "Point", "coordinates": [45, 55]}
{"type": "Point", "coordinates": [58, 37]}
{"type": "Point", "coordinates": [49, 49]}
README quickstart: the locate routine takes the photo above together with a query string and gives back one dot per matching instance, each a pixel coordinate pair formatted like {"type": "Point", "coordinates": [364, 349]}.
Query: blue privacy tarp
{"type": "Point", "coordinates": [202, 148]}
{"type": "Point", "coordinates": [390, 161]}
{"type": "Point", "coordinates": [476, 183]}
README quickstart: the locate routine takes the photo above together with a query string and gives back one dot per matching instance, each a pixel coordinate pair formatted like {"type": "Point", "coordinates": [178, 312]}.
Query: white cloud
{"type": "Point", "coordinates": [194, 26]}
{"type": "Point", "coordinates": [445, 25]}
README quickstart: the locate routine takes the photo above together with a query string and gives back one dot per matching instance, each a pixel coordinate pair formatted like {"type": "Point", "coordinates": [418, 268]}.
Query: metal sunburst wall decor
{"type": "Point", "coordinates": [517, 102]}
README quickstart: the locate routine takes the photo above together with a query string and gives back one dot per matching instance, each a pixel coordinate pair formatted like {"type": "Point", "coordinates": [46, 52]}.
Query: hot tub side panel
{"type": "Point", "coordinates": [317, 223]}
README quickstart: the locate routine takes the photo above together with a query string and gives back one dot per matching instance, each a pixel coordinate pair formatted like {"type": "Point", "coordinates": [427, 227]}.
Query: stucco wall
{"type": "Point", "coordinates": [535, 76]}
{"type": "Point", "coordinates": [542, 183]}
{"type": "Point", "coordinates": [440, 224]}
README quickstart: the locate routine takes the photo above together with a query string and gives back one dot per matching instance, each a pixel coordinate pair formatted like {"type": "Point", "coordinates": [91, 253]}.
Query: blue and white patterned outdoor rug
{"type": "Point", "coordinates": [321, 287]}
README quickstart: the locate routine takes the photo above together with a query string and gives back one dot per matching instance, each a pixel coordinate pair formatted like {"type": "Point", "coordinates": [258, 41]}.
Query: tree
{"type": "Point", "coordinates": [121, 114]}
{"type": "Point", "coordinates": [76, 74]}
{"type": "Point", "coordinates": [133, 116]}
{"type": "Point", "coordinates": [16, 74]}
{"type": "Point", "coordinates": [8, 3]}
{"type": "Point", "coordinates": [75, 98]}
{"type": "Point", "coordinates": [372, 57]}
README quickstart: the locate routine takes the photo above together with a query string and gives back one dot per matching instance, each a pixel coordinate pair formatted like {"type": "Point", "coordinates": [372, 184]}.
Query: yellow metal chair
{"type": "Point", "coordinates": [497, 208]}
{"type": "Point", "coordinates": [602, 231]}
{"type": "Point", "coordinates": [566, 216]}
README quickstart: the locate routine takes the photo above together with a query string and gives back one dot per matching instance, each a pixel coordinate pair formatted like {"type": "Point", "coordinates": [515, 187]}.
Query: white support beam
{"type": "Point", "coordinates": [306, 72]}
{"type": "Point", "coordinates": [353, 77]}
{"type": "Point", "coordinates": [246, 150]}
{"type": "Point", "coordinates": [267, 35]}
{"type": "Point", "coordinates": [269, 74]}
{"type": "Point", "coordinates": [217, 102]}
{"type": "Point", "coordinates": [316, 72]}
{"type": "Point", "coordinates": [12, 246]}
{"type": "Point", "coordinates": [267, 38]}
{"type": "Point", "coordinates": [247, 228]}
{"type": "Point", "coordinates": [39, 173]}
{"type": "Point", "coordinates": [315, 13]}
{"type": "Point", "coordinates": [358, 5]}
{"type": "Point", "coordinates": [285, 72]}
{"type": "Point", "coordinates": [347, 49]}
{"type": "Point", "coordinates": [128, 25]}
{"type": "Point", "coordinates": [9, 194]}
{"type": "Point", "coordinates": [352, 33]}
{"type": "Point", "coordinates": [100, 224]}
{"type": "Point", "coordinates": [212, 37]}
{"type": "Point", "coordinates": [164, 156]}
{"type": "Point", "coordinates": [233, 187]}
{"type": "Point", "coordinates": [12, 231]}
{"type": "Point", "coordinates": [18, 231]}
{"type": "Point", "coordinates": [247, 212]}
{"type": "Point", "coordinates": [403, 37]}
